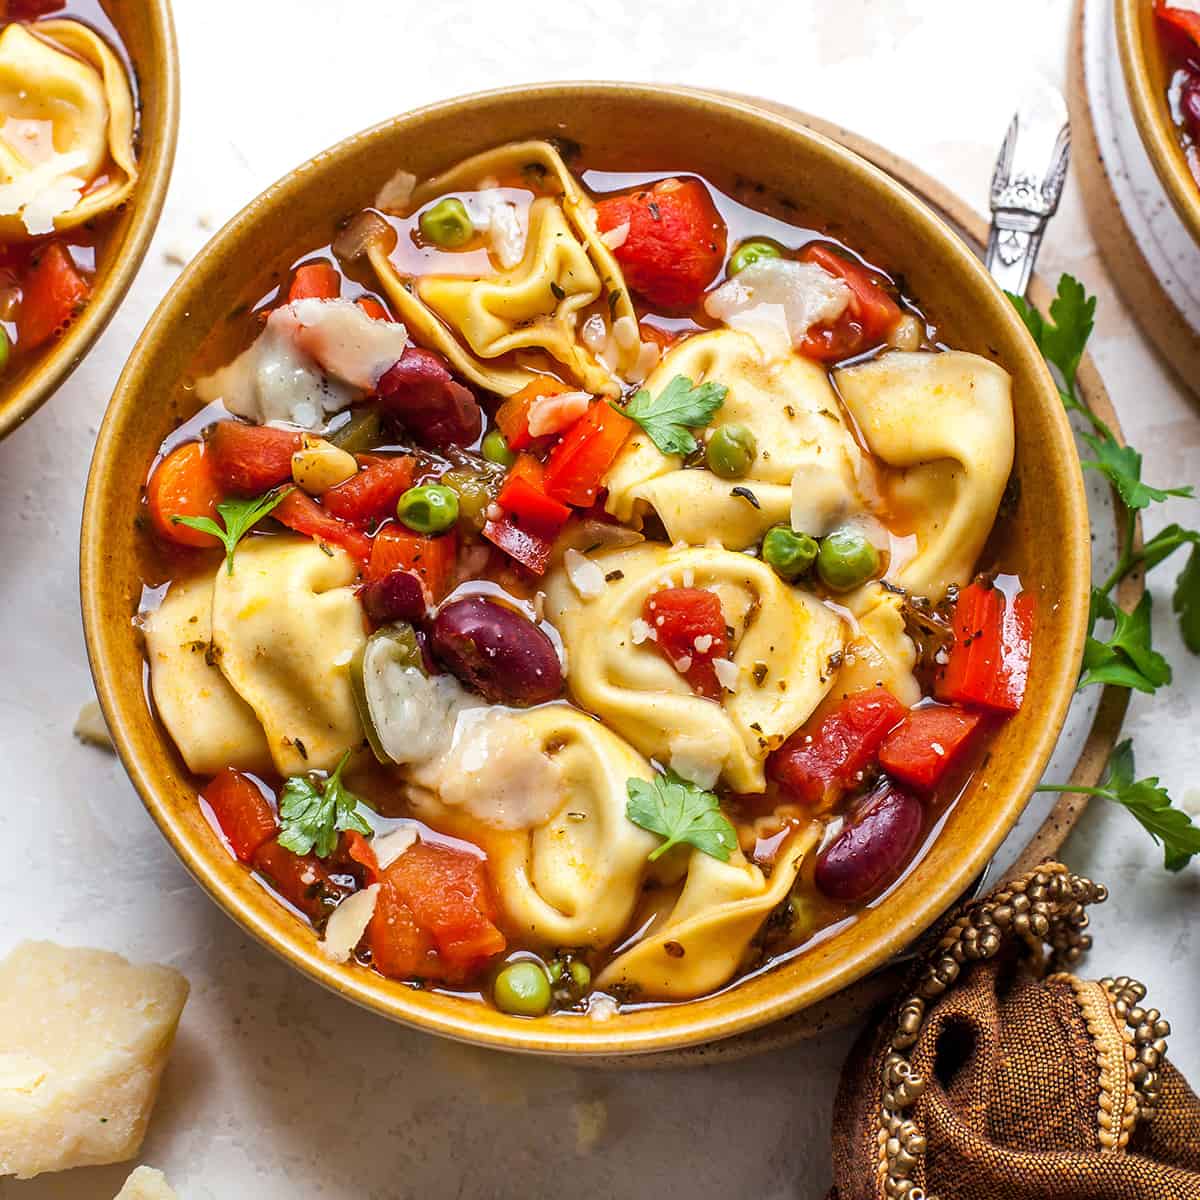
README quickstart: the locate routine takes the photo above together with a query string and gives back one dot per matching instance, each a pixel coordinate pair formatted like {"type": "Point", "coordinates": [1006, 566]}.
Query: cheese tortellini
{"type": "Point", "coordinates": [783, 642]}
{"type": "Point", "coordinates": [66, 120]}
{"type": "Point", "coordinates": [697, 945]}
{"type": "Point", "coordinates": [945, 422]}
{"type": "Point", "coordinates": [794, 415]}
{"type": "Point", "coordinates": [286, 625]}
{"type": "Point", "coordinates": [535, 305]}
{"type": "Point", "coordinates": [572, 874]}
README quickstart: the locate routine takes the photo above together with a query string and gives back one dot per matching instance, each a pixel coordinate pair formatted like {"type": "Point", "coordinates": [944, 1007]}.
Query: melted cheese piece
{"type": "Point", "coordinates": [85, 1036]}
{"type": "Point", "coordinates": [533, 305]}
{"type": "Point", "coordinates": [286, 626]}
{"type": "Point", "coordinates": [313, 358]}
{"type": "Point", "coordinates": [572, 875]}
{"type": "Point", "coordinates": [790, 407]}
{"type": "Point", "coordinates": [635, 690]}
{"type": "Point", "coordinates": [212, 726]}
{"type": "Point", "coordinates": [66, 119]}
{"type": "Point", "coordinates": [699, 944]}
{"type": "Point", "coordinates": [944, 421]}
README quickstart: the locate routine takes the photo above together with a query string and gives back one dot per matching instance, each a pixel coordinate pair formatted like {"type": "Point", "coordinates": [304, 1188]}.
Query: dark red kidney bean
{"type": "Point", "coordinates": [1189, 103]}
{"type": "Point", "coordinates": [501, 654]}
{"type": "Point", "coordinates": [419, 390]}
{"type": "Point", "coordinates": [398, 596]}
{"type": "Point", "coordinates": [871, 850]}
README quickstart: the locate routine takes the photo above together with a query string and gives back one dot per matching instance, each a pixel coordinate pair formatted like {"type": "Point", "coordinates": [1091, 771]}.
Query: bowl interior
{"type": "Point", "coordinates": [1146, 77]}
{"type": "Point", "coordinates": [147, 32]}
{"type": "Point", "coordinates": [1045, 539]}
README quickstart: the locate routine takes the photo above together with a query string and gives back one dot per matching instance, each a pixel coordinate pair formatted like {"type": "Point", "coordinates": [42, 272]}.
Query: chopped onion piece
{"type": "Point", "coordinates": [594, 333]}
{"type": "Point", "coordinates": [395, 195]}
{"type": "Point", "coordinates": [364, 230]}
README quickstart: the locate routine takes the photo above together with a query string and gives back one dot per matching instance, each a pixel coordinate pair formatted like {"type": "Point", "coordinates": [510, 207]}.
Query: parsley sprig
{"type": "Point", "coordinates": [680, 407]}
{"type": "Point", "coordinates": [238, 518]}
{"type": "Point", "coordinates": [1119, 651]}
{"type": "Point", "coordinates": [679, 811]}
{"type": "Point", "coordinates": [313, 812]}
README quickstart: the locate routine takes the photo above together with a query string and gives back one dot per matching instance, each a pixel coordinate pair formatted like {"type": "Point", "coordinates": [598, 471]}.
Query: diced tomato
{"type": "Point", "coordinates": [29, 10]}
{"type": "Point", "coordinates": [302, 880]}
{"type": "Point", "coordinates": [431, 558]}
{"type": "Point", "coordinates": [183, 485]}
{"type": "Point", "coordinates": [869, 317]}
{"type": "Point", "coordinates": [248, 460]}
{"type": "Point", "coordinates": [1185, 20]}
{"type": "Point", "coordinates": [988, 665]}
{"type": "Point", "coordinates": [676, 240]}
{"type": "Point", "coordinates": [299, 511]}
{"type": "Point", "coordinates": [576, 466]}
{"type": "Point", "coordinates": [817, 764]}
{"type": "Point", "coordinates": [244, 814]}
{"type": "Point", "coordinates": [435, 916]}
{"type": "Point", "coordinates": [373, 308]}
{"type": "Point", "coordinates": [530, 549]}
{"type": "Point", "coordinates": [359, 850]}
{"type": "Point", "coordinates": [315, 281]}
{"type": "Point", "coordinates": [525, 502]}
{"type": "Point", "coordinates": [513, 415]}
{"type": "Point", "coordinates": [369, 498]}
{"type": "Point", "coordinates": [681, 617]}
{"type": "Point", "coordinates": [662, 338]}
{"type": "Point", "coordinates": [927, 744]}
{"type": "Point", "coordinates": [53, 291]}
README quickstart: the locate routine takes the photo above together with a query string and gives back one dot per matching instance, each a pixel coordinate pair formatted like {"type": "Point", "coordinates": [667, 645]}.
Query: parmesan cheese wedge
{"type": "Point", "coordinates": [84, 1036]}
{"type": "Point", "coordinates": [146, 1184]}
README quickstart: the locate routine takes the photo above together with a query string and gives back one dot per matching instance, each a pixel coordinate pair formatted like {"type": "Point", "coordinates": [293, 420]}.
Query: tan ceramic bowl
{"type": "Point", "coordinates": [622, 127]}
{"type": "Point", "coordinates": [149, 36]}
{"type": "Point", "coordinates": [1146, 82]}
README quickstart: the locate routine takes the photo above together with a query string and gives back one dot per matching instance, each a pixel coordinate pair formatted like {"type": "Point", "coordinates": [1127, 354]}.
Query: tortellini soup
{"type": "Point", "coordinates": [575, 590]}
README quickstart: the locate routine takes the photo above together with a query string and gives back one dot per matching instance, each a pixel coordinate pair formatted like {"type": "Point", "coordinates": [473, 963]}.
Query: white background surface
{"type": "Point", "coordinates": [275, 1088]}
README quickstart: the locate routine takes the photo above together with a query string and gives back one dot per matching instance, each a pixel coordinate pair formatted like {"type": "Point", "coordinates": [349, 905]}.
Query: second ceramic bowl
{"type": "Point", "coordinates": [622, 127]}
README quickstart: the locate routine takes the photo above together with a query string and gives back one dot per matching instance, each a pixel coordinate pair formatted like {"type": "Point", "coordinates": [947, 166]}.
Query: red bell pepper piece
{"type": "Point", "coordinates": [679, 617]}
{"type": "Point", "coordinates": [577, 464]}
{"type": "Point", "coordinates": [353, 846]}
{"type": "Point", "coordinates": [315, 281]}
{"type": "Point", "coordinates": [868, 318]}
{"type": "Point", "coordinates": [530, 549]}
{"type": "Point", "coordinates": [303, 880]}
{"type": "Point", "coordinates": [676, 240]}
{"type": "Point", "coordinates": [816, 764]}
{"type": "Point", "coordinates": [927, 744]}
{"type": "Point", "coordinates": [432, 559]}
{"type": "Point", "coordinates": [513, 415]}
{"type": "Point", "coordinates": [248, 460]}
{"type": "Point", "coordinates": [369, 498]}
{"type": "Point", "coordinates": [1183, 19]}
{"type": "Point", "coordinates": [244, 814]}
{"type": "Point", "coordinates": [988, 666]}
{"type": "Point", "coordinates": [53, 291]}
{"type": "Point", "coordinates": [523, 499]}
{"type": "Point", "coordinates": [299, 511]}
{"type": "Point", "coordinates": [435, 916]}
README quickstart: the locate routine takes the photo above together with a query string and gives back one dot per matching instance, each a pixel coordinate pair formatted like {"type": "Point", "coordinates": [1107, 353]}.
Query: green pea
{"type": "Point", "coordinates": [475, 490]}
{"type": "Point", "coordinates": [522, 989]}
{"type": "Point", "coordinates": [846, 559]}
{"type": "Point", "coordinates": [581, 974]}
{"type": "Point", "coordinates": [447, 224]}
{"type": "Point", "coordinates": [749, 253]}
{"type": "Point", "coordinates": [362, 432]}
{"type": "Point", "coordinates": [731, 451]}
{"type": "Point", "coordinates": [430, 508]}
{"type": "Point", "coordinates": [789, 553]}
{"type": "Point", "coordinates": [495, 449]}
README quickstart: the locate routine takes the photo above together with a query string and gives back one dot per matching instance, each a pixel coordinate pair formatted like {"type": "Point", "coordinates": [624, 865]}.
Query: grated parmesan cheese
{"type": "Point", "coordinates": [390, 846]}
{"type": "Point", "coordinates": [615, 238]}
{"type": "Point", "coordinates": [552, 414]}
{"type": "Point", "coordinates": [728, 673]}
{"type": "Point", "coordinates": [347, 924]}
{"type": "Point", "coordinates": [44, 192]}
{"type": "Point", "coordinates": [585, 576]}
{"type": "Point", "coordinates": [702, 643]}
{"type": "Point", "coordinates": [641, 632]}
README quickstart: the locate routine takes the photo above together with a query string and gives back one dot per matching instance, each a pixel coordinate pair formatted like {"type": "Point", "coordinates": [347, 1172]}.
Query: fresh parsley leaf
{"type": "Point", "coordinates": [312, 813]}
{"type": "Point", "coordinates": [1063, 337]}
{"type": "Point", "coordinates": [680, 407]}
{"type": "Point", "coordinates": [679, 811]}
{"type": "Point", "coordinates": [1123, 466]}
{"type": "Point", "coordinates": [1126, 658]}
{"type": "Point", "coordinates": [238, 517]}
{"type": "Point", "coordinates": [1186, 600]}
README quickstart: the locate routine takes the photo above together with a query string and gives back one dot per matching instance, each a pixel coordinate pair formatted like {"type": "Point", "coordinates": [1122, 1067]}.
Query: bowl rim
{"type": "Point", "coordinates": [1150, 114]}
{"type": "Point", "coordinates": [146, 202]}
{"type": "Point", "coordinates": [691, 1024]}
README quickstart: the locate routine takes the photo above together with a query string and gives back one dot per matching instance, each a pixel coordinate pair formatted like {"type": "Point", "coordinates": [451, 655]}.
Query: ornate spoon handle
{"type": "Point", "coordinates": [1026, 186]}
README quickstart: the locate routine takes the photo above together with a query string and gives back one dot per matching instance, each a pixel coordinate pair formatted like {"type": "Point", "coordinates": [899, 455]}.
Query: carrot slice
{"type": "Point", "coordinates": [184, 485]}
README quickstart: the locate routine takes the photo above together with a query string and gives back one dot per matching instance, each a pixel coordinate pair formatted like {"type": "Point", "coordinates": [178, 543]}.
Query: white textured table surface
{"type": "Point", "coordinates": [275, 1088]}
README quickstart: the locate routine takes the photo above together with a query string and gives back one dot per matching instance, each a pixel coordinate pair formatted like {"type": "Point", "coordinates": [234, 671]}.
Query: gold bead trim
{"type": "Point", "coordinates": [1147, 1032]}
{"type": "Point", "coordinates": [1045, 907]}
